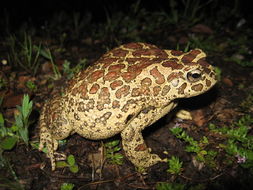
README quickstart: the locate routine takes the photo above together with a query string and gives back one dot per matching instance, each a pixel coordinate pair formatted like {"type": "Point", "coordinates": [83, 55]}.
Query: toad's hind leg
{"type": "Point", "coordinates": [49, 135]}
{"type": "Point", "coordinates": [51, 144]}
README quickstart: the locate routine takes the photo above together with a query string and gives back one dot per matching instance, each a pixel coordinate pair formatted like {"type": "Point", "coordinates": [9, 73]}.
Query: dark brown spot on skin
{"type": "Point", "coordinates": [76, 116]}
{"type": "Point", "coordinates": [203, 63]}
{"type": "Point", "coordinates": [146, 110]}
{"type": "Point", "coordinates": [119, 116]}
{"type": "Point", "coordinates": [127, 105]}
{"type": "Point", "coordinates": [133, 46]}
{"type": "Point", "coordinates": [112, 75]}
{"type": "Point", "coordinates": [146, 82]}
{"type": "Point", "coordinates": [197, 87]}
{"type": "Point", "coordinates": [81, 107]}
{"type": "Point", "coordinates": [104, 93]}
{"type": "Point", "coordinates": [123, 91]}
{"type": "Point", "coordinates": [141, 52]}
{"type": "Point", "coordinates": [149, 52]}
{"type": "Point", "coordinates": [74, 91]}
{"type": "Point", "coordinates": [173, 76]}
{"type": "Point", "coordinates": [208, 83]}
{"type": "Point", "coordinates": [107, 62]}
{"type": "Point", "coordinates": [92, 125]}
{"type": "Point", "coordinates": [93, 77]}
{"type": "Point", "coordinates": [137, 69]}
{"type": "Point", "coordinates": [128, 76]}
{"type": "Point", "coordinates": [156, 90]}
{"type": "Point", "coordinates": [135, 92]}
{"type": "Point", "coordinates": [157, 60]}
{"type": "Point", "coordinates": [188, 58]}
{"type": "Point", "coordinates": [119, 52]}
{"type": "Point", "coordinates": [100, 106]}
{"type": "Point", "coordinates": [71, 102]}
{"type": "Point", "coordinates": [104, 98]}
{"type": "Point", "coordinates": [181, 88]}
{"type": "Point", "coordinates": [157, 75]}
{"type": "Point", "coordinates": [116, 84]}
{"type": "Point", "coordinates": [172, 64]}
{"type": "Point", "coordinates": [165, 90]}
{"type": "Point", "coordinates": [115, 104]}
{"type": "Point", "coordinates": [174, 59]}
{"type": "Point", "coordinates": [145, 91]}
{"type": "Point", "coordinates": [117, 67]}
{"type": "Point", "coordinates": [213, 75]}
{"type": "Point", "coordinates": [97, 120]}
{"type": "Point", "coordinates": [90, 104]}
{"type": "Point", "coordinates": [103, 119]}
{"type": "Point", "coordinates": [107, 115]}
{"type": "Point", "coordinates": [94, 89]}
{"type": "Point", "coordinates": [129, 117]}
{"type": "Point", "coordinates": [83, 90]}
{"type": "Point", "coordinates": [131, 61]}
{"type": "Point", "coordinates": [141, 147]}
{"type": "Point", "coordinates": [176, 53]}
{"type": "Point", "coordinates": [195, 52]}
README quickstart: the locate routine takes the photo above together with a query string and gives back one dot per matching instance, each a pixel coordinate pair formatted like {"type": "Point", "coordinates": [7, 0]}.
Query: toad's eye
{"type": "Point", "coordinates": [194, 76]}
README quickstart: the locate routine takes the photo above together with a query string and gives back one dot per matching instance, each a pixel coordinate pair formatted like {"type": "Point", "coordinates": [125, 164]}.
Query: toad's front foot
{"type": "Point", "coordinates": [136, 149]}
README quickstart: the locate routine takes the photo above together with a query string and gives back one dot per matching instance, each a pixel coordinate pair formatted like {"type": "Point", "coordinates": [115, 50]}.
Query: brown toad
{"type": "Point", "coordinates": [126, 90]}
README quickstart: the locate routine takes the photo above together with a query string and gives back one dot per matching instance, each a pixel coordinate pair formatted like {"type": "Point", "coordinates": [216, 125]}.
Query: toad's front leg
{"type": "Point", "coordinates": [136, 149]}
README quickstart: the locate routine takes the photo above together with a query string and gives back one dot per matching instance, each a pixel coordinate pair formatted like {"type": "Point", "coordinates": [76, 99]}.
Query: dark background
{"type": "Point", "coordinates": [37, 12]}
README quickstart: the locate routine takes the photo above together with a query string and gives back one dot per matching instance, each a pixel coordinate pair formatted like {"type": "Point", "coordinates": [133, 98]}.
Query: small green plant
{"type": "Point", "coordinates": [240, 61]}
{"type": "Point", "coordinates": [31, 86]}
{"type": "Point", "coordinates": [218, 72]}
{"type": "Point", "coordinates": [111, 152]}
{"type": "Point", "coordinates": [241, 44]}
{"type": "Point", "coordinates": [22, 118]}
{"type": "Point", "coordinates": [3, 82]}
{"type": "Point", "coordinates": [169, 186]}
{"type": "Point", "coordinates": [67, 186]}
{"type": "Point", "coordinates": [10, 136]}
{"type": "Point", "coordinates": [46, 53]}
{"type": "Point", "coordinates": [247, 103]}
{"type": "Point", "coordinates": [70, 163]}
{"type": "Point", "coordinates": [175, 166]}
{"type": "Point", "coordinates": [205, 43]}
{"type": "Point", "coordinates": [72, 71]}
{"type": "Point", "coordinates": [24, 53]}
{"type": "Point", "coordinates": [239, 143]}
{"type": "Point", "coordinates": [35, 145]}
{"type": "Point", "coordinates": [197, 147]}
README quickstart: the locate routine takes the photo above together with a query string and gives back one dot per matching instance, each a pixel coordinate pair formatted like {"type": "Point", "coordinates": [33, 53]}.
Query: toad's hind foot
{"type": "Point", "coordinates": [50, 144]}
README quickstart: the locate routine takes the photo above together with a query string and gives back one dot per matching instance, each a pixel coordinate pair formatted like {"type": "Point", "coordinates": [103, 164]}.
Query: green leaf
{"type": "Point", "coordinates": [14, 128]}
{"type": "Point", "coordinates": [74, 168]}
{"type": "Point", "coordinates": [67, 186]}
{"type": "Point", "coordinates": [61, 164]}
{"type": "Point", "coordinates": [19, 121]}
{"type": "Point", "coordinates": [45, 53]}
{"type": "Point", "coordinates": [71, 160]}
{"type": "Point", "coordinates": [8, 143]}
{"type": "Point", "coordinates": [1, 120]}
{"type": "Point", "coordinates": [26, 106]}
